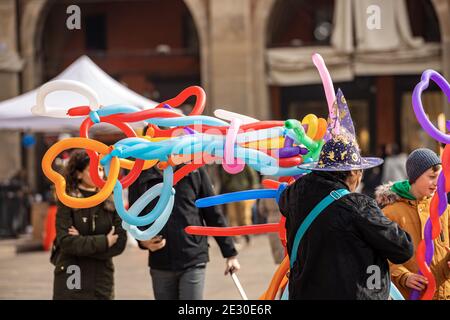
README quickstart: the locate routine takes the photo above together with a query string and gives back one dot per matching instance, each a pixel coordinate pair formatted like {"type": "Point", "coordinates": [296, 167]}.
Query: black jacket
{"type": "Point", "coordinates": [183, 250]}
{"type": "Point", "coordinates": [89, 251]}
{"type": "Point", "coordinates": [337, 251]}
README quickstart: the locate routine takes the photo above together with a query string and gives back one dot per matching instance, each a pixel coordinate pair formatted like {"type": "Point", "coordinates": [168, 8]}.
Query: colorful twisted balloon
{"type": "Point", "coordinates": [191, 141]}
{"type": "Point", "coordinates": [273, 148]}
{"type": "Point", "coordinates": [425, 249]}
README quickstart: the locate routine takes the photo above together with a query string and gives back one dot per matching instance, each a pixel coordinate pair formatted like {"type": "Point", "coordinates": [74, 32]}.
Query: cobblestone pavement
{"type": "Point", "coordinates": [29, 275]}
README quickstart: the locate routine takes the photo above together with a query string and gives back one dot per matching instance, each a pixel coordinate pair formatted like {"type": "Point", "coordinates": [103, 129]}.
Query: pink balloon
{"type": "Point", "coordinates": [327, 84]}
{"type": "Point", "coordinates": [231, 164]}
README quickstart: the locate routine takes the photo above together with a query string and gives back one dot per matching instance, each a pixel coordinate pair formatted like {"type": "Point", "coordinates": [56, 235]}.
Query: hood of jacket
{"type": "Point", "coordinates": [385, 196]}
{"type": "Point", "coordinates": [392, 192]}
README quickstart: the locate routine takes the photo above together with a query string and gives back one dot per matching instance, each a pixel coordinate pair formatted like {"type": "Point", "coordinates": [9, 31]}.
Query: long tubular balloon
{"type": "Point", "coordinates": [196, 91]}
{"type": "Point", "coordinates": [277, 278]}
{"type": "Point", "coordinates": [131, 216]}
{"type": "Point", "coordinates": [186, 121]}
{"type": "Point", "coordinates": [232, 231]}
{"type": "Point", "coordinates": [422, 118]}
{"type": "Point", "coordinates": [236, 197]}
{"type": "Point", "coordinates": [327, 83]}
{"type": "Point", "coordinates": [425, 249]}
{"type": "Point", "coordinates": [69, 85]}
{"type": "Point", "coordinates": [231, 164]}
{"type": "Point", "coordinates": [60, 182]}
{"type": "Point", "coordinates": [228, 115]}
{"type": "Point", "coordinates": [156, 227]}
{"type": "Point", "coordinates": [94, 158]}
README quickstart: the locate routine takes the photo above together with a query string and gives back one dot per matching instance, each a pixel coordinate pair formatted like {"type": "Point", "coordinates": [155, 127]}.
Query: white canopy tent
{"type": "Point", "coordinates": [16, 113]}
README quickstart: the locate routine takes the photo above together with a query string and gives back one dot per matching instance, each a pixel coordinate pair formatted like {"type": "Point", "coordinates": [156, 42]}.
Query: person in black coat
{"type": "Point", "coordinates": [345, 251]}
{"type": "Point", "coordinates": [176, 259]}
{"type": "Point", "coordinates": [350, 241]}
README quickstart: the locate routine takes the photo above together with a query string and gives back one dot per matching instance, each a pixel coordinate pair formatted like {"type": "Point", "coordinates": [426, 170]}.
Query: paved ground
{"type": "Point", "coordinates": [29, 275]}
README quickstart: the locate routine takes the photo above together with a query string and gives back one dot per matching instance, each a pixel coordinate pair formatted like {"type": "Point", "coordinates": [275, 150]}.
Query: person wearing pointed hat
{"type": "Point", "coordinates": [339, 241]}
{"type": "Point", "coordinates": [408, 203]}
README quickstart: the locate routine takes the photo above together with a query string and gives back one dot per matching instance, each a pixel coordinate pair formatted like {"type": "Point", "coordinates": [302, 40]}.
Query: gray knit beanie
{"type": "Point", "coordinates": [419, 161]}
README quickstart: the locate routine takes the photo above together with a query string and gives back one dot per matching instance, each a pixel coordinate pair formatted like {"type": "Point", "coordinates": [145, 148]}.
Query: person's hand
{"type": "Point", "coordinates": [232, 265]}
{"type": "Point", "coordinates": [416, 281]}
{"type": "Point", "coordinates": [111, 237]}
{"type": "Point", "coordinates": [73, 231]}
{"type": "Point", "coordinates": [154, 244]}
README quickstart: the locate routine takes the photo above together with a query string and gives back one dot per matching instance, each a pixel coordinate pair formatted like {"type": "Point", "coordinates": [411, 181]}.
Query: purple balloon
{"type": "Point", "coordinates": [189, 130]}
{"type": "Point", "coordinates": [418, 107]}
{"type": "Point", "coordinates": [288, 152]}
{"type": "Point", "coordinates": [288, 141]}
{"type": "Point", "coordinates": [439, 136]}
{"type": "Point", "coordinates": [303, 151]}
{"type": "Point", "coordinates": [429, 244]}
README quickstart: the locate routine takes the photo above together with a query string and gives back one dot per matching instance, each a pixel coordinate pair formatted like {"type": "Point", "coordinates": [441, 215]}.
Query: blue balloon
{"type": "Point", "coordinates": [28, 140]}
{"type": "Point", "coordinates": [185, 121]}
{"type": "Point", "coordinates": [164, 191]}
{"type": "Point", "coordinates": [155, 228]}
{"type": "Point", "coordinates": [236, 197]}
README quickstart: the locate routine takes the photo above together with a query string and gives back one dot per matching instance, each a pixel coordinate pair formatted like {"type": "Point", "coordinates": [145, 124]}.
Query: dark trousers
{"type": "Point", "coordinates": [178, 285]}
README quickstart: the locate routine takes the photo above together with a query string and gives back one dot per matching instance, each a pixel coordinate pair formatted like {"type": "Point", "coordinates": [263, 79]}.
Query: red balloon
{"type": "Point", "coordinates": [177, 101]}
{"type": "Point", "coordinates": [232, 231]}
{"type": "Point", "coordinates": [423, 267]}
{"type": "Point", "coordinates": [79, 111]}
{"type": "Point", "coordinates": [270, 184]}
{"type": "Point", "coordinates": [94, 159]}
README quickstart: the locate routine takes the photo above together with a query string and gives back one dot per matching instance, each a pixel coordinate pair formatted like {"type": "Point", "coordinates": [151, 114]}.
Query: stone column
{"type": "Point", "coordinates": [31, 28]}
{"type": "Point", "coordinates": [260, 16]}
{"type": "Point", "coordinates": [231, 60]}
{"type": "Point", "coordinates": [10, 63]}
{"type": "Point", "coordinates": [199, 12]}
{"type": "Point", "coordinates": [10, 66]}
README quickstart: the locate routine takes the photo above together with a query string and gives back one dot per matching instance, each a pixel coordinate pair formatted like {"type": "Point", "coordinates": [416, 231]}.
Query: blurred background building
{"type": "Point", "coordinates": [250, 56]}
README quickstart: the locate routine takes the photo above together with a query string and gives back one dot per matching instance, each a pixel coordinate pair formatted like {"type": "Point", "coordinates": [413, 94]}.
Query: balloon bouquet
{"type": "Point", "coordinates": [273, 148]}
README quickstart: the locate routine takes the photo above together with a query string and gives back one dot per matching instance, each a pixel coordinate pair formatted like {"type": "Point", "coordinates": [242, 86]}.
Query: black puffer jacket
{"type": "Point", "coordinates": [88, 251]}
{"type": "Point", "coordinates": [337, 251]}
{"type": "Point", "coordinates": [183, 250]}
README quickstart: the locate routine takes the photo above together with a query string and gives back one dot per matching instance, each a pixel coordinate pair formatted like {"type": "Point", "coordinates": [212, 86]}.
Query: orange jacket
{"type": "Point", "coordinates": [411, 216]}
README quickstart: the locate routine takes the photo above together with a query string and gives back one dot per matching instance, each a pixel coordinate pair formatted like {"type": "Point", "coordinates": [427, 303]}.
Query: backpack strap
{"type": "Point", "coordinates": [322, 205]}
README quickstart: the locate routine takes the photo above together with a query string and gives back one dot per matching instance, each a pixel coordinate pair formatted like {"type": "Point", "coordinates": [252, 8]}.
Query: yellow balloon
{"type": "Point", "coordinates": [155, 139]}
{"type": "Point", "coordinates": [312, 122]}
{"type": "Point", "coordinates": [60, 182]}
{"type": "Point", "coordinates": [272, 143]}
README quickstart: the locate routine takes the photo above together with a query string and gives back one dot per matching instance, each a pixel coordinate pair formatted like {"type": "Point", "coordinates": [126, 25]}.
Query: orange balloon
{"type": "Point", "coordinates": [321, 129]}
{"type": "Point", "coordinates": [277, 279]}
{"type": "Point", "coordinates": [60, 182]}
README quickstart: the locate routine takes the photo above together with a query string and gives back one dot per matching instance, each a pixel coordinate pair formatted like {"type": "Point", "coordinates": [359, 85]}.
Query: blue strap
{"type": "Point", "coordinates": [333, 196]}
{"type": "Point", "coordinates": [395, 293]}
{"type": "Point", "coordinates": [285, 295]}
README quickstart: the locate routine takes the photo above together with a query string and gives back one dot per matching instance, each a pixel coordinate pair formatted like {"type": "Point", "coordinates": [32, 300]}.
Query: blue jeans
{"type": "Point", "coordinates": [179, 285]}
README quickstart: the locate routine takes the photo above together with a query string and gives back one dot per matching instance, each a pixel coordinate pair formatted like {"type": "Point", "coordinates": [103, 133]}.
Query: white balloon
{"type": "Point", "coordinates": [58, 85]}
{"type": "Point", "coordinates": [229, 115]}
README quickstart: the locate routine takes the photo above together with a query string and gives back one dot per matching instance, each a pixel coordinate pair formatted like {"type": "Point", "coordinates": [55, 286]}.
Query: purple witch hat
{"type": "Point", "coordinates": [341, 151]}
